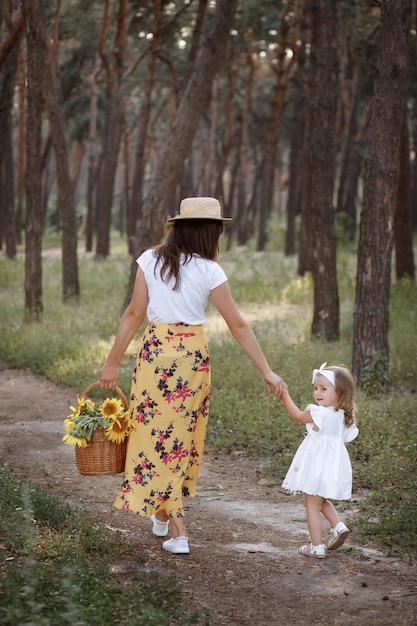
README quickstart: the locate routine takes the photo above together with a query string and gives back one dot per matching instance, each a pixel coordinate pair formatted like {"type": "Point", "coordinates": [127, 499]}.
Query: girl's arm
{"type": "Point", "coordinates": [131, 320]}
{"type": "Point", "coordinates": [303, 417]}
{"type": "Point", "coordinates": [245, 336]}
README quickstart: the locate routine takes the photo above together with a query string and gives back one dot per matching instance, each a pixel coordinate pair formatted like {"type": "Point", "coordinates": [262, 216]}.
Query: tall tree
{"type": "Point", "coordinates": [194, 101]}
{"type": "Point", "coordinates": [52, 91]}
{"type": "Point", "coordinates": [323, 15]}
{"type": "Point", "coordinates": [273, 125]}
{"type": "Point", "coordinates": [371, 313]}
{"type": "Point", "coordinates": [403, 228]}
{"type": "Point", "coordinates": [134, 208]}
{"type": "Point", "coordinates": [33, 182]}
{"type": "Point", "coordinates": [296, 171]}
{"type": "Point", "coordinates": [113, 129]}
{"type": "Point", "coordinates": [92, 128]}
{"type": "Point", "coordinates": [8, 71]}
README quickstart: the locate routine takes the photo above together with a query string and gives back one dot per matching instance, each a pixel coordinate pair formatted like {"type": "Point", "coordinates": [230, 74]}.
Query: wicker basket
{"type": "Point", "coordinates": [101, 457]}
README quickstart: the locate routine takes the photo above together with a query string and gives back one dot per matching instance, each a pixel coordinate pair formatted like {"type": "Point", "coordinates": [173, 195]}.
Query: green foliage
{"type": "Point", "coordinates": [374, 377]}
{"type": "Point", "coordinates": [58, 571]}
{"type": "Point", "coordinates": [384, 460]}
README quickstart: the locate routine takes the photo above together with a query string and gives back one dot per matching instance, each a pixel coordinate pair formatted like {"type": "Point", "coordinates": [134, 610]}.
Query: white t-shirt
{"type": "Point", "coordinates": [198, 277]}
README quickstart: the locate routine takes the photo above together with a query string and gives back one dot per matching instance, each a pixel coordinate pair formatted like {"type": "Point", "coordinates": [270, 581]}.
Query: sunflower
{"type": "Point", "coordinates": [119, 428]}
{"type": "Point", "coordinates": [70, 424]}
{"type": "Point", "coordinates": [83, 407]}
{"type": "Point", "coordinates": [111, 407]}
{"type": "Point", "coordinates": [72, 440]}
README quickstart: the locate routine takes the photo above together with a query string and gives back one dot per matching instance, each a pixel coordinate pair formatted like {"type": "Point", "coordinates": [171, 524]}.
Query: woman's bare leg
{"type": "Point", "coordinates": [178, 527]}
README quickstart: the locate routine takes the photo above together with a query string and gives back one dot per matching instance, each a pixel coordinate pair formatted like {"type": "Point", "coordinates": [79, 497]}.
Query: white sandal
{"type": "Point", "coordinates": [317, 552]}
{"type": "Point", "coordinates": [338, 537]}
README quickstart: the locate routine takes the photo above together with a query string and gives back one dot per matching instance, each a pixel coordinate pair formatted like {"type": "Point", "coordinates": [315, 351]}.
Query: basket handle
{"type": "Point", "coordinates": [116, 389]}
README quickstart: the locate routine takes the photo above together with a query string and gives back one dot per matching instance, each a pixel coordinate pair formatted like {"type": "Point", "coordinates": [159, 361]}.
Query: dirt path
{"type": "Point", "coordinates": [244, 531]}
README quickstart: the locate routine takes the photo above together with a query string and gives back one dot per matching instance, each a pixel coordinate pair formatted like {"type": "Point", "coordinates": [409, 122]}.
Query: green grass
{"type": "Point", "coordinates": [71, 342]}
{"type": "Point", "coordinates": [58, 568]}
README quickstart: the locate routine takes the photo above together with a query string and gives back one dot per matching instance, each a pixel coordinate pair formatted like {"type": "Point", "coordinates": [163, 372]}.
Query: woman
{"type": "Point", "coordinates": [171, 380]}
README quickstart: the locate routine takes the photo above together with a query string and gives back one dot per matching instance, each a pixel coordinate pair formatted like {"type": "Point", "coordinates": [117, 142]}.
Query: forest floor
{"type": "Point", "coordinates": [244, 567]}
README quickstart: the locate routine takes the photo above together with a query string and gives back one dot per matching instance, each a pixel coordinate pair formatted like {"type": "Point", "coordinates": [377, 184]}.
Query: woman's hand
{"type": "Point", "coordinates": [108, 376]}
{"type": "Point", "coordinates": [273, 381]}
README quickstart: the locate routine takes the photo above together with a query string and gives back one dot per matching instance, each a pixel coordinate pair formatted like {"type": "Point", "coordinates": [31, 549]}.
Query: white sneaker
{"type": "Point", "coordinates": [160, 529]}
{"type": "Point", "coordinates": [177, 546]}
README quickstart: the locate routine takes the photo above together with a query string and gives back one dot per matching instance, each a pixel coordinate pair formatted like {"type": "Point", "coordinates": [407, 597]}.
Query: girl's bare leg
{"type": "Point", "coordinates": [314, 506]}
{"type": "Point", "coordinates": [330, 513]}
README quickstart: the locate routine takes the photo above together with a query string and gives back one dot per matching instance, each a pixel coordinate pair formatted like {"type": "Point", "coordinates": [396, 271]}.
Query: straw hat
{"type": "Point", "coordinates": [200, 208]}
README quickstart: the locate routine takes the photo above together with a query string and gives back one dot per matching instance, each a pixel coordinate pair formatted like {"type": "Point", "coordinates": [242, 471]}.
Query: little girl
{"type": "Point", "coordinates": [321, 467]}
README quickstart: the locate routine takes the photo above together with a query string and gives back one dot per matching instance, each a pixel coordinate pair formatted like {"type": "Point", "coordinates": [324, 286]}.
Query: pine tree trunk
{"type": "Point", "coordinates": [7, 83]}
{"type": "Point", "coordinates": [272, 132]}
{"type": "Point", "coordinates": [403, 233]}
{"type": "Point", "coordinates": [70, 282]}
{"type": "Point", "coordinates": [113, 129]}
{"type": "Point", "coordinates": [33, 251]}
{"type": "Point", "coordinates": [371, 313]}
{"type": "Point", "coordinates": [321, 163]}
{"type": "Point", "coordinates": [296, 170]}
{"type": "Point", "coordinates": [134, 212]}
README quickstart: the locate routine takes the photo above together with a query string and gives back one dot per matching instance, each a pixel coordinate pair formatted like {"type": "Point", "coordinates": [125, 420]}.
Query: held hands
{"type": "Point", "coordinates": [274, 381]}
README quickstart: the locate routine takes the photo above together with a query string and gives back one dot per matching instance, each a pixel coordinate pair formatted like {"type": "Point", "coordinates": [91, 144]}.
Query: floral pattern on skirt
{"type": "Point", "coordinates": [170, 402]}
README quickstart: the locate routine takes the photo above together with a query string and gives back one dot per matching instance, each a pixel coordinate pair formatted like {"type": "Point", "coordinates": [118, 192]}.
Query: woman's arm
{"type": "Point", "coordinates": [131, 320]}
{"type": "Point", "coordinates": [245, 336]}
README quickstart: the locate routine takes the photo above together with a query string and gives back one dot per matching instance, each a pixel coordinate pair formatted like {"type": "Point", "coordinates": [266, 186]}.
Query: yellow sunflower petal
{"type": "Point", "coordinates": [75, 441]}
{"type": "Point", "coordinates": [75, 411]}
{"type": "Point", "coordinates": [119, 429]}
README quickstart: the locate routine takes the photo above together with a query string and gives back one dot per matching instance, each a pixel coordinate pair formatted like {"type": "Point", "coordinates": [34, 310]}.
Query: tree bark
{"type": "Point", "coordinates": [371, 313]}
{"type": "Point", "coordinates": [33, 182]}
{"type": "Point", "coordinates": [403, 232]}
{"type": "Point", "coordinates": [113, 129]}
{"type": "Point", "coordinates": [296, 169]}
{"type": "Point", "coordinates": [14, 32]}
{"type": "Point", "coordinates": [272, 130]}
{"type": "Point", "coordinates": [321, 163]}
{"type": "Point", "coordinates": [20, 186]}
{"type": "Point", "coordinates": [243, 148]}
{"type": "Point", "coordinates": [70, 282]}
{"type": "Point", "coordinates": [136, 198]}
{"type": "Point", "coordinates": [8, 73]}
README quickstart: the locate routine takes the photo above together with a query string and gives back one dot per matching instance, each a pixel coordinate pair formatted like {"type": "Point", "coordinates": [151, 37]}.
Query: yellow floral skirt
{"type": "Point", "coordinates": [170, 406]}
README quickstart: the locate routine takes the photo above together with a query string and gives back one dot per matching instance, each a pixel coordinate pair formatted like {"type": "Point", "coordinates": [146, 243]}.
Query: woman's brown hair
{"type": "Point", "coordinates": [189, 237]}
{"type": "Point", "coordinates": [345, 392]}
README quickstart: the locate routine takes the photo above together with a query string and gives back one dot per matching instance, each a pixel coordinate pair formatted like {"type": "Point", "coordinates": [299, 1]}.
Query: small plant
{"type": "Point", "coordinates": [375, 373]}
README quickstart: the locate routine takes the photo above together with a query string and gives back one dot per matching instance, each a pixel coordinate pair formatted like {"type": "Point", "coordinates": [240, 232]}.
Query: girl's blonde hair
{"type": "Point", "coordinates": [345, 392]}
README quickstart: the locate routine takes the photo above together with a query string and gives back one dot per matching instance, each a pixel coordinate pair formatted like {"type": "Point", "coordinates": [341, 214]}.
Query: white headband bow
{"type": "Point", "coordinates": [329, 374]}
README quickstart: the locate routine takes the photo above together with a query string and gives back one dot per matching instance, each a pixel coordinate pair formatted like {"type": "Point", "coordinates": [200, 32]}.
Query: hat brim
{"type": "Point", "coordinates": [213, 219]}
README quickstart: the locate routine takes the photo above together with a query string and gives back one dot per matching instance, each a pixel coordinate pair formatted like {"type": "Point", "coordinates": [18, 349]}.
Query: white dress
{"type": "Point", "coordinates": [321, 466]}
